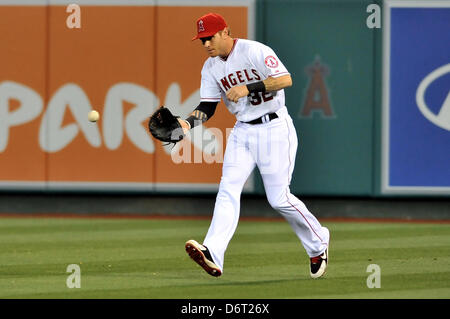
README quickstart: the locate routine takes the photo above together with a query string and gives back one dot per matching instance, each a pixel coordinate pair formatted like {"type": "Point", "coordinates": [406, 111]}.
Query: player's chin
{"type": "Point", "coordinates": [212, 53]}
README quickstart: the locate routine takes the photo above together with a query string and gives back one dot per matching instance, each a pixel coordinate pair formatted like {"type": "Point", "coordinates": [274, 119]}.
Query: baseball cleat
{"type": "Point", "coordinates": [201, 255]}
{"type": "Point", "coordinates": [319, 265]}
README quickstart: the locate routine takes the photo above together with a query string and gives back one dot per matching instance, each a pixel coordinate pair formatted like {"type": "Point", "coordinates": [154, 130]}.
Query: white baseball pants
{"type": "Point", "coordinates": [272, 147]}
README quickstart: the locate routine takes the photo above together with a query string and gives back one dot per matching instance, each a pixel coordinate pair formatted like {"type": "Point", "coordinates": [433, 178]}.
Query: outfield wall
{"type": "Point", "coordinates": [126, 59]}
{"type": "Point", "coordinates": [371, 107]}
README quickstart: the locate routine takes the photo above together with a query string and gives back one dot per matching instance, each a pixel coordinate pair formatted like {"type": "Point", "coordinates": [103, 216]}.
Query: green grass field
{"type": "Point", "coordinates": [145, 258]}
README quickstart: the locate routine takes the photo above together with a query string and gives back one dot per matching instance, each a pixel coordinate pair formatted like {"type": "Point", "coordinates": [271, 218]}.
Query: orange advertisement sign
{"type": "Point", "coordinates": [124, 62]}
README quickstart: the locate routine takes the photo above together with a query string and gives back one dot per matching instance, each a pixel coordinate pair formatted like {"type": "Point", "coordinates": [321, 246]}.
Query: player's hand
{"type": "Point", "coordinates": [184, 125]}
{"type": "Point", "coordinates": [236, 92]}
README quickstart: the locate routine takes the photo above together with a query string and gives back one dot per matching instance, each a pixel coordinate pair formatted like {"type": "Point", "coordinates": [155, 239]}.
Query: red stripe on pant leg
{"type": "Point", "coordinates": [306, 221]}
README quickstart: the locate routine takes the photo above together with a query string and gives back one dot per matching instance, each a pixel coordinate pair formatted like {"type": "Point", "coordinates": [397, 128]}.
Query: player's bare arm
{"type": "Point", "coordinates": [203, 112]}
{"type": "Point", "coordinates": [269, 84]}
{"type": "Point", "coordinates": [275, 84]}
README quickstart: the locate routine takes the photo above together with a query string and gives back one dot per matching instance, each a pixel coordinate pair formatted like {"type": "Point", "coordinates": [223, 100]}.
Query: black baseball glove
{"type": "Point", "coordinates": [164, 126]}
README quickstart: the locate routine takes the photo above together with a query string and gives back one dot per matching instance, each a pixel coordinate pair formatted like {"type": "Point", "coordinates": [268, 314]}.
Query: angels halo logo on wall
{"type": "Point", "coordinates": [317, 96]}
{"type": "Point", "coordinates": [442, 119]}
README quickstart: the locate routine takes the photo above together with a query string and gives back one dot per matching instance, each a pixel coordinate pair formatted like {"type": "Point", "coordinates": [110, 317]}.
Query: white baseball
{"type": "Point", "coordinates": [93, 116]}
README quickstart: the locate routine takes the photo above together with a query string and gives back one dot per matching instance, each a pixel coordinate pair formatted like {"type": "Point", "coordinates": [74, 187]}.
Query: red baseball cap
{"type": "Point", "coordinates": [209, 24]}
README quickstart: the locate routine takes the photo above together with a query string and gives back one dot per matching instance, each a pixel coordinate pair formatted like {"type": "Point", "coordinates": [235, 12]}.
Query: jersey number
{"type": "Point", "coordinates": [255, 98]}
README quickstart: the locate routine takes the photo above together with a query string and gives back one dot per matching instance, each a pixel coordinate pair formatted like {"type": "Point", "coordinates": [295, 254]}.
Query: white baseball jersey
{"type": "Point", "coordinates": [248, 62]}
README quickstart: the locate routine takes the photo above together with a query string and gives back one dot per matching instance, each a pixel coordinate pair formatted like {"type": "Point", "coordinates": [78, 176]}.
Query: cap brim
{"type": "Point", "coordinates": [204, 35]}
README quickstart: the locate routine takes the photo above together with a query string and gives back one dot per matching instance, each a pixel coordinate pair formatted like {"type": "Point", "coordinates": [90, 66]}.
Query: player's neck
{"type": "Point", "coordinates": [228, 48]}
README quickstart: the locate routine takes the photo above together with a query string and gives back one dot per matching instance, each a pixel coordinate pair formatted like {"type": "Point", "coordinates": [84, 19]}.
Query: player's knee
{"type": "Point", "coordinates": [232, 181]}
{"type": "Point", "coordinates": [277, 202]}
{"type": "Point", "coordinates": [224, 194]}
{"type": "Point", "coordinates": [228, 190]}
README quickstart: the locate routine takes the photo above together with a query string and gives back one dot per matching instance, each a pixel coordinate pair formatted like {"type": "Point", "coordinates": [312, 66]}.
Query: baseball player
{"type": "Point", "coordinates": [250, 78]}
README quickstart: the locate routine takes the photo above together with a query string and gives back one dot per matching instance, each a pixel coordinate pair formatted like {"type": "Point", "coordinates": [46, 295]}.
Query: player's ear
{"type": "Point", "coordinates": [226, 31]}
